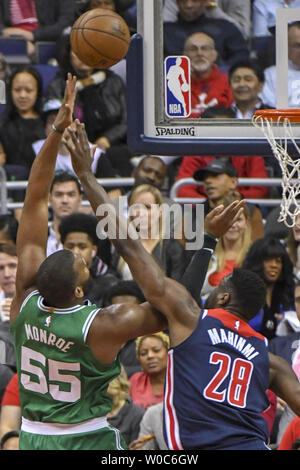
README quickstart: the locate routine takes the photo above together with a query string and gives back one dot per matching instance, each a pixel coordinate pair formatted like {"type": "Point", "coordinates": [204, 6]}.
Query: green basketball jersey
{"type": "Point", "coordinates": [60, 379]}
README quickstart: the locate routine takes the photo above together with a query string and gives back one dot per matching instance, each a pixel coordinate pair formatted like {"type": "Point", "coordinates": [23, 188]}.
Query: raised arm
{"type": "Point", "coordinates": [33, 227]}
{"type": "Point", "coordinates": [284, 382]}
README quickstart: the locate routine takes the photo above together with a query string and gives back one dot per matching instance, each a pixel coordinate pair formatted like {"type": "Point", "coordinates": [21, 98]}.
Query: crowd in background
{"type": "Point", "coordinates": [231, 46]}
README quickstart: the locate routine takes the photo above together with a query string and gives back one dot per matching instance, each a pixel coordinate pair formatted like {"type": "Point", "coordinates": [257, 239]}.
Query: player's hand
{"type": "Point", "coordinates": [65, 113]}
{"type": "Point", "coordinates": [219, 220]}
{"type": "Point", "coordinates": [78, 145]}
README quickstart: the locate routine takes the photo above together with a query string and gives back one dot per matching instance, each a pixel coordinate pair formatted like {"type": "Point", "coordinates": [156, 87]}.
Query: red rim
{"type": "Point", "coordinates": [293, 115]}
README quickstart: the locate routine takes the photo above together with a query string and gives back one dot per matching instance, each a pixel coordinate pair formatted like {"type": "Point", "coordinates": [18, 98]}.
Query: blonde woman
{"type": "Point", "coordinates": [124, 415]}
{"type": "Point", "coordinates": [230, 252]}
{"type": "Point", "coordinates": [146, 212]}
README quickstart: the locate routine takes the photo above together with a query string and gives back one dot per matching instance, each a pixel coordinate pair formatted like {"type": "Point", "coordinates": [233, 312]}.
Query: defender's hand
{"type": "Point", "coordinates": [79, 148]}
{"type": "Point", "coordinates": [219, 220]}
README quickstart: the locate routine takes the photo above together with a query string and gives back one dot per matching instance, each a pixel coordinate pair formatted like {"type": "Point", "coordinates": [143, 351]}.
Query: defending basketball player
{"type": "Point", "coordinates": [66, 352]}
{"type": "Point", "coordinates": [218, 367]}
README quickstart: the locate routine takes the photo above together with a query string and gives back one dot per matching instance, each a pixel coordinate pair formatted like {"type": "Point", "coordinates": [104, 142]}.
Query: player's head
{"type": "Point", "coordinates": [78, 234]}
{"type": "Point", "coordinates": [242, 292]}
{"type": "Point", "coordinates": [61, 278]}
{"type": "Point", "coordinates": [246, 81]}
{"type": "Point", "coordinates": [151, 170]}
{"type": "Point", "coordinates": [200, 48]}
{"type": "Point", "coordinates": [124, 292]}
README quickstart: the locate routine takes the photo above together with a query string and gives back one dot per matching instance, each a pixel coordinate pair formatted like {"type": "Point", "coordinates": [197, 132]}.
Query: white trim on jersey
{"type": "Point", "coordinates": [62, 311]}
{"type": "Point", "coordinates": [204, 313]}
{"type": "Point", "coordinates": [88, 322]}
{"type": "Point", "coordinates": [57, 429]}
{"type": "Point", "coordinates": [34, 292]}
{"type": "Point", "coordinates": [171, 421]}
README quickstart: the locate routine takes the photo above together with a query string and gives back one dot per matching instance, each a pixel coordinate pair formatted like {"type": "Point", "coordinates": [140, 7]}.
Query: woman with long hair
{"type": "Point", "coordinates": [268, 258]}
{"type": "Point", "coordinates": [146, 212]}
{"type": "Point", "coordinates": [230, 252]}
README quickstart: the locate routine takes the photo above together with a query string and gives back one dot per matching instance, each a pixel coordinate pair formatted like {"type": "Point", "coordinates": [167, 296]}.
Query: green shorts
{"type": "Point", "coordinates": [106, 438]}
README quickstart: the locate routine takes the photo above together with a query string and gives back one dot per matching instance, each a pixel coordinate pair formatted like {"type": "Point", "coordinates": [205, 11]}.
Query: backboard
{"type": "Point", "coordinates": [151, 129]}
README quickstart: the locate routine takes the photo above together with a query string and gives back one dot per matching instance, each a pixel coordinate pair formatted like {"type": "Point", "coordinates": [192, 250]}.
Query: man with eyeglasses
{"type": "Point", "coordinates": [209, 85]}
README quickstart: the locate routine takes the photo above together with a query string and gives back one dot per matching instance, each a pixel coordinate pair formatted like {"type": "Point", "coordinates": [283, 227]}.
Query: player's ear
{"type": "Point", "coordinates": [78, 292]}
{"type": "Point", "coordinates": [223, 298]}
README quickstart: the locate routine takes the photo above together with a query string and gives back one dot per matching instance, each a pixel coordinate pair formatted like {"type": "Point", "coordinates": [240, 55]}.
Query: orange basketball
{"type": "Point", "coordinates": [100, 38]}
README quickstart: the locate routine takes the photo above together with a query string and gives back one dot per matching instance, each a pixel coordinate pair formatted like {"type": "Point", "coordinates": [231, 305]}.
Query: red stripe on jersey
{"type": "Point", "coordinates": [234, 323]}
{"type": "Point", "coordinates": [172, 420]}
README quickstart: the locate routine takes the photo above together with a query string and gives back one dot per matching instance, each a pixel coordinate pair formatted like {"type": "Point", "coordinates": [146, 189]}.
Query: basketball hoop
{"type": "Point", "coordinates": [269, 120]}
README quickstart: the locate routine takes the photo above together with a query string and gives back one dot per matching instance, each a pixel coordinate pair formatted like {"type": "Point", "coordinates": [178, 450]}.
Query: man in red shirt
{"type": "Point", "coordinates": [209, 86]}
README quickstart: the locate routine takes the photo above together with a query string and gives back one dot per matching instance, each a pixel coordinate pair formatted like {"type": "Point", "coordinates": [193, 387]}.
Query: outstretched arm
{"type": "Point", "coordinates": [164, 294]}
{"type": "Point", "coordinates": [284, 382]}
{"type": "Point", "coordinates": [33, 227]}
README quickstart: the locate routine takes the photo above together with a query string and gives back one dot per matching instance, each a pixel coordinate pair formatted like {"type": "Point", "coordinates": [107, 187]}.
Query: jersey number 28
{"type": "Point", "coordinates": [239, 372]}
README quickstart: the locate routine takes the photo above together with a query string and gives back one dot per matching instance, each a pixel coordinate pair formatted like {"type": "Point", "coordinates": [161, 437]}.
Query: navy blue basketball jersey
{"type": "Point", "coordinates": [216, 385]}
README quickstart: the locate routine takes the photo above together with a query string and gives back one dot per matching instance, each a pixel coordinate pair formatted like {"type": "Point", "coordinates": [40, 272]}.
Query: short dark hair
{"type": "Point", "coordinates": [8, 249]}
{"type": "Point", "coordinates": [9, 224]}
{"type": "Point", "coordinates": [218, 111]}
{"type": "Point", "coordinates": [56, 278]}
{"type": "Point", "coordinates": [63, 177]}
{"type": "Point", "coordinates": [249, 291]}
{"type": "Point", "coordinates": [124, 288]}
{"type": "Point", "coordinates": [79, 222]}
{"type": "Point", "coordinates": [248, 65]}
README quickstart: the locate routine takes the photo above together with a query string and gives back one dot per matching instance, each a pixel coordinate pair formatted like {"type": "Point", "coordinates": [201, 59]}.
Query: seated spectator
{"type": "Point", "coordinates": [124, 415]}
{"type": "Point", "coordinates": [21, 123]}
{"type": "Point", "coordinates": [246, 81]}
{"type": "Point", "coordinates": [65, 198]}
{"type": "Point", "coordinates": [285, 345]}
{"type": "Point", "coordinates": [10, 441]}
{"type": "Point", "coordinates": [78, 233]}
{"type": "Point", "coordinates": [246, 166]}
{"type": "Point", "coordinates": [229, 41]}
{"type": "Point", "coordinates": [120, 293]}
{"type": "Point", "coordinates": [145, 207]}
{"type": "Point", "coordinates": [236, 11]}
{"type": "Point", "coordinates": [151, 436]}
{"type": "Point", "coordinates": [268, 258]}
{"type": "Point", "coordinates": [293, 246]}
{"type": "Point", "coordinates": [264, 15]}
{"type": "Point", "coordinates": [147, 387]}
{"type": "Point", "coordinates": [220, 179]}
{"type": "Point", "coordinates": [269, 90]}
{"type": "Point", "coordinates": [10, 417]}
{"type": "Point", "coordinates": [35, 20]}
{"type": "Point", "coordinates": [230, 251]}
{"type": "Point", "coordinates": [100, 102]}
{"type": "Point", "coordinates": [209, 86]}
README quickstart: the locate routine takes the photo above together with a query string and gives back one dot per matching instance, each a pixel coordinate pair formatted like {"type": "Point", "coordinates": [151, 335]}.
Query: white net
{"type": "Point", "coordinates": [290, 167]}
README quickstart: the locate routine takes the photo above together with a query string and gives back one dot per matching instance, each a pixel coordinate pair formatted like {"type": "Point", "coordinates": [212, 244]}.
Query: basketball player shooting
{"type": "Point", "coordinates": [67, 352]}
{"type": "Point", "coordinates": [218, 367]}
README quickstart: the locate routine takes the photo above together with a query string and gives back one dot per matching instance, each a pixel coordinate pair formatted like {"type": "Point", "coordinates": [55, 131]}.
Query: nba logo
{"type": "Point", "coordinates": [177, 86]}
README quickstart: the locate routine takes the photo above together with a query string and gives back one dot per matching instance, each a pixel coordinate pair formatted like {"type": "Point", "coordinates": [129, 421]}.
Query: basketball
{"type": "Point", "coordinates": [100, 38]}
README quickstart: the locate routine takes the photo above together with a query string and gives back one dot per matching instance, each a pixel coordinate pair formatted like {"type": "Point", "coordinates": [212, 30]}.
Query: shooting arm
{"type": "Point", "coordinates": [284, 382]}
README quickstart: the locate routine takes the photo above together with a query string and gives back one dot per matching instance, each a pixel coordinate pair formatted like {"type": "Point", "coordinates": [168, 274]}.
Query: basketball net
{"type": "Point", "coordinates": [290, 167]}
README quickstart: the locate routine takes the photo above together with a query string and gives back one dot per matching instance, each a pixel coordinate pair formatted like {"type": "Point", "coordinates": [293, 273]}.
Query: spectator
{"type": "Point", "coordinates": [124, 415]}
{"type": "Point", "coordinates": [10, 441]}
{"type": "Point", "coordinates": [65, 198]}
{"type": "Point", "coordinates": [151, 428]}
{"type": "Point", "coordinates": [147, 387]}
{"type": "Point", "coordinates": [246, 81]}
{"type": "Point", "coordinates": [229, 41]}
{"type": "Point", "coordinates": [21, 122]}
{"type": "Point", "coordinates": [219, 178]}
{"type": "Point", "coordinates": [209, 86]}
{"type": "Point", "coordinates": [34, 20]}
{"type": "Point", "coordinates": [121, 293]}
{"type": "Point", "coordinates": [78, 233]}
{"type": "Point", "coordinates": [293, 244]}
{"type": "Point", "coordinates": [145, 206]}
{"type": "Point", "coordinates": [237, 11]}
{"type": "Point", "coordinates": [246, 167]}
{"type": "Point", "coordinates": [268, 258]}
{"type": "Point", "coordinates": [291, 438]}
{"type": "Point", "coordinates": [10, 417]}
{"type": "Point", "coordinates": [230, 251]}
{"type": "Point", "coordinates": [101, 100]}
{"type": "Point", "coordinates": [269, 89]}
{"type": "Point", "coordinates": [264, 15]}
